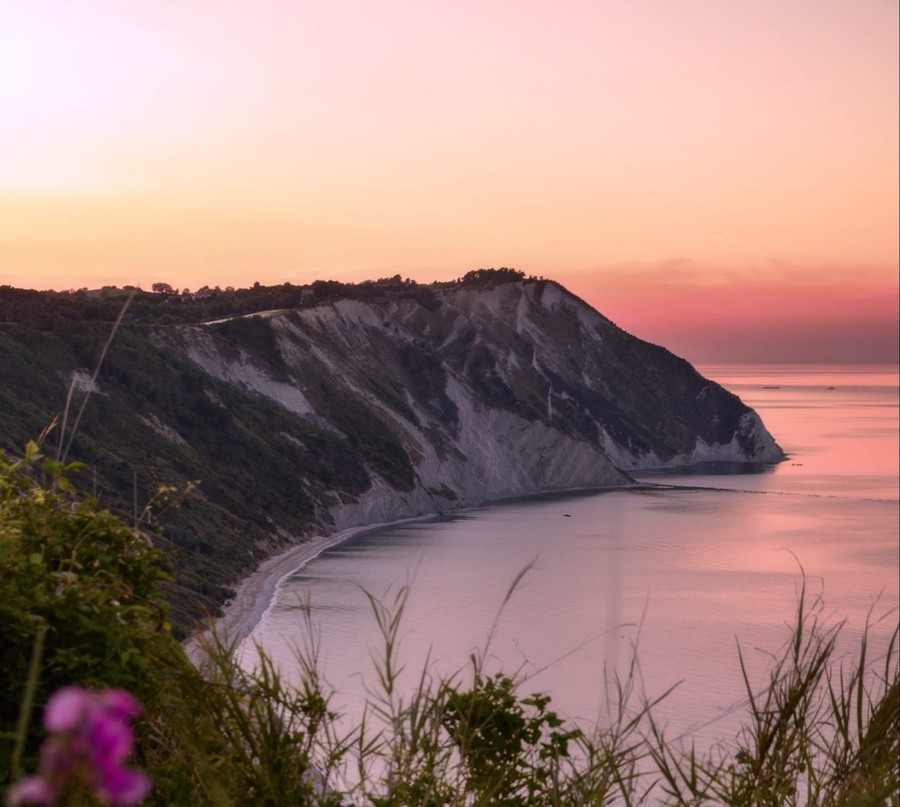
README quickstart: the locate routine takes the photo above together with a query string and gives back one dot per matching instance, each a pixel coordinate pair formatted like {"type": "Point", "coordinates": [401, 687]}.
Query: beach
{"type": "Point", "coordinates": [255, 592]}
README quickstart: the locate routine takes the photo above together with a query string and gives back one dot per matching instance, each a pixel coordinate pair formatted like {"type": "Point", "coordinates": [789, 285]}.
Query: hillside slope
{"type": "Point", "coordinates": [307, 420]}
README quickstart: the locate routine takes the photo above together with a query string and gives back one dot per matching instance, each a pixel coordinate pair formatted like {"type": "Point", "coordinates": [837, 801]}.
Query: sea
{"type": "Point", "coordinates": [673, 585]}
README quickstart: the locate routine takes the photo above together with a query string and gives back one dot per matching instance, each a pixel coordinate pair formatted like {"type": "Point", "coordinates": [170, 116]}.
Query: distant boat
{"type": "Point", "coordinates": [771, 386]}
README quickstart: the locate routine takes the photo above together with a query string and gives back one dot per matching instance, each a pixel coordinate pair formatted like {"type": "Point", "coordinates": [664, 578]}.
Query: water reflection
{"type": "Point", "coordinates": [680, 573]}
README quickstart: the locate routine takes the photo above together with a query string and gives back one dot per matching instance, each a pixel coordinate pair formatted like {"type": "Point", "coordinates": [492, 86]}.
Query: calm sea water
{"type": "Point", "coordinates": [683, 573]}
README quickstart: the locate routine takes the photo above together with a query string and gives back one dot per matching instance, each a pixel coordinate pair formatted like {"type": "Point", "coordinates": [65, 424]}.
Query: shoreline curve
{"type": "Point", "coordinates": [256, 592]}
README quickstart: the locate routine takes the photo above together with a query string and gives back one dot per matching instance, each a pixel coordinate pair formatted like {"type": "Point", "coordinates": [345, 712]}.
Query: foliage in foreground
{"type": "Point", "coordinates": [78, 606]}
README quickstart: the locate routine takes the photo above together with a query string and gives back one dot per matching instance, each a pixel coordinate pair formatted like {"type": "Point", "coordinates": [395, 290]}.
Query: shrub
{"type": "Point", "coordinates": [78, 589]}
{"type": "Point", "coordinates": [79, 607]}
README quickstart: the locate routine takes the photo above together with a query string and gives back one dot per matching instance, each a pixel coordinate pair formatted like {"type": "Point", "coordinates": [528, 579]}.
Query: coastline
{"type": "Point", "coordinates": [256, 592]}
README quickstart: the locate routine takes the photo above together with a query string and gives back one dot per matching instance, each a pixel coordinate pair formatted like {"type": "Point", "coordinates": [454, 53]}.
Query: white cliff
{"type": "Point", "coordinates": [479, 395]}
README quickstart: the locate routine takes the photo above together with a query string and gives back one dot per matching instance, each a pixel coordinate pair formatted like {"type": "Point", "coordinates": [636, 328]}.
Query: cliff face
{"type": "Point", "coordinates": [302, 421]}
{"type": "Point", "coordinates": [479, 395]}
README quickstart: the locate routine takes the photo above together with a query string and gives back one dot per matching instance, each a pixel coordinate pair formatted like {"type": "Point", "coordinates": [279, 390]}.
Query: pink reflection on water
{"type": "Point", "coordinates": [836, 444]}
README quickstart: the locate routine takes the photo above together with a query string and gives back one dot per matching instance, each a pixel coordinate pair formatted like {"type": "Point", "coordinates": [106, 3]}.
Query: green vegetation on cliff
{"type": "Point", "coordinates": [270, 414]}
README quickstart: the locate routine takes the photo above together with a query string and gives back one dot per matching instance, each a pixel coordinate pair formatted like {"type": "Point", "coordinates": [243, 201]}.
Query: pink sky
{"type": "Point", "coordinates": [717, 177]}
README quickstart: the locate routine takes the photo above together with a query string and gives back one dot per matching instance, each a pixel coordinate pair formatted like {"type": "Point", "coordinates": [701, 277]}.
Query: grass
{"type": "Point", "coordinates": [821, 731]}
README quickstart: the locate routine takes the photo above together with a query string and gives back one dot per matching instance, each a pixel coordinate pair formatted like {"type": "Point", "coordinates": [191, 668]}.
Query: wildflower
{"type": "Point", "coordinates": [90, 738]}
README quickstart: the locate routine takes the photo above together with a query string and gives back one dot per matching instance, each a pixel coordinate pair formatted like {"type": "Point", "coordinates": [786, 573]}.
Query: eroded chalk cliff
{"type": "Point", "coordinates": [347, 405]}
{"type": "Point", "coordinates": [480, 394]}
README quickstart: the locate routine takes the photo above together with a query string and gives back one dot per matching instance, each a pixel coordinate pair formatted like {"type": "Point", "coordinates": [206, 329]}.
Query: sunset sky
{"type": "Point", "coordinates": [718, 176]}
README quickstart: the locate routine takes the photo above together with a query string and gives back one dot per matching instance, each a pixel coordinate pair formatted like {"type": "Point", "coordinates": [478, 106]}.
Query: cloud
{"type": "Point", "coordinates": [778, 312]}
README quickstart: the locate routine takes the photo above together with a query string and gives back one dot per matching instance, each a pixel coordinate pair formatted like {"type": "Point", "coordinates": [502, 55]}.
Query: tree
{"type": "Point", "coordinates": [163, 288]}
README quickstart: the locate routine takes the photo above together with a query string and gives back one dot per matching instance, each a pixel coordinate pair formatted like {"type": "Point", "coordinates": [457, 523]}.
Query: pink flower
{"type": "Point", "coordinates": [90, 738]}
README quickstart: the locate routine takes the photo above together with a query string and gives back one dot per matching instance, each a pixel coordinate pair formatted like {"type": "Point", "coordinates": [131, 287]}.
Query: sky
{"type": "Point", "coordinates": [717, 176]}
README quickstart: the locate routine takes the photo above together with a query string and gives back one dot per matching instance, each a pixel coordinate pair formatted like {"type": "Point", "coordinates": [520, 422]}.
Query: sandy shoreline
{"type": "Point", "coordinates": [255, 592]}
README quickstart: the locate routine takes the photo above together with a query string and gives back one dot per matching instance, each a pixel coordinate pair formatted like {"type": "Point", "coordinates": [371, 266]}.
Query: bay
{"type": "Point", "coordinates": [674, 575]}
